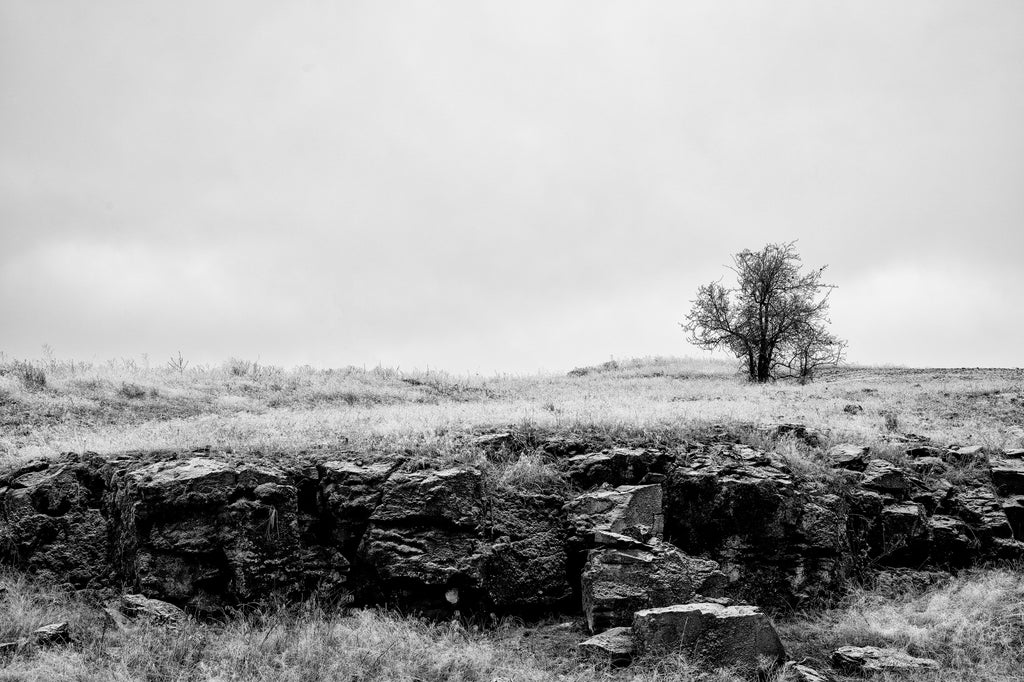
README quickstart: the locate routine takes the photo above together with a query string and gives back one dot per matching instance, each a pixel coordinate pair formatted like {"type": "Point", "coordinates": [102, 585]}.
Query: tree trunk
{"type": "Point", "coordinates": [763, 368]}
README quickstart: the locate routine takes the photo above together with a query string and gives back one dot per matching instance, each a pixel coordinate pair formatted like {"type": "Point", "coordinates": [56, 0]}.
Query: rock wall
{"type": "Point", "coordinates": [205, 530]}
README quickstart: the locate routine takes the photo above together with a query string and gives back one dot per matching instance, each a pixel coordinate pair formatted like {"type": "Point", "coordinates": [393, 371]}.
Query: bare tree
{"type": "Point", "coordinates": [811, 348]}
{"type": "Point", "coordinates": [774, 307]}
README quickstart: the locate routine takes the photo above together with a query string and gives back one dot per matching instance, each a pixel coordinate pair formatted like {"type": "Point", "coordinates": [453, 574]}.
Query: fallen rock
{"type": "Point", "coordinates": [615, 644]}
{"type": "Point", "coordinates": [853, 408]}
{"type": "Point", "coordinates": [634, 511]}
{"type": "Point", "coordinates": [54, 633]}
{"type": "Point", "coordinates": [795, 672]}
{"type": "Point", "coordinates": [618, 582]}
{"type": "Point", "coordinates": [139, 606]}
{"type": "Point", "coordinates": [866, 660]}
{"type": "Point", "coordinates": [800, 432]}
{"type": "Point", "coordinates": [968, 453]}
{"type": "Point", "coordinates": [849, 456]}
{"type": "Point", "coordinates": [721, 635]}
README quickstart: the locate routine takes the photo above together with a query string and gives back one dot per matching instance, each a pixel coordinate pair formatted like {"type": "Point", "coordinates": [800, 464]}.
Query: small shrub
{"type": "Point", "coordinates": [131, 391]}
{"type": "Point", "coordinates": [892, 422]}
{"type": "Point", "coordinates": [33, 378]}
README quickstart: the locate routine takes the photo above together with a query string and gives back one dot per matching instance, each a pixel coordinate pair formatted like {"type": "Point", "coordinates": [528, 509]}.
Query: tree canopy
{"type": "Point", "coordinates": [774, 319]}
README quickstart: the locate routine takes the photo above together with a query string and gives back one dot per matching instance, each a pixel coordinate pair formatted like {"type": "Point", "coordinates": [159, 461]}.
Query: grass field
{"type": "Point", "coordinates": [974, 624]}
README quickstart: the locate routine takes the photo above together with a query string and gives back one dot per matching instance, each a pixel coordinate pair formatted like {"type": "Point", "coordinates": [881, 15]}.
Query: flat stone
{"type": "Point", "coordinates": [137, 605]}
{"type": "Point", "coordinates": [721, 635]}
{"type": "Point", "coordinates": [615, 644]}
{"type": "Point", "coordinates": [870, 659]}
{"type": "Point", "coordinates": [849, 456]}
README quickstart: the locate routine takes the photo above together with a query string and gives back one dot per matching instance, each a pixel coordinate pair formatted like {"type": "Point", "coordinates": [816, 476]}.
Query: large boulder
{"type": "Point", "coordinates": [849, 456]}
{"type": "Point", "coordinates": [618, 582]}
{"type": "Point", "coordinates": [741, 636]}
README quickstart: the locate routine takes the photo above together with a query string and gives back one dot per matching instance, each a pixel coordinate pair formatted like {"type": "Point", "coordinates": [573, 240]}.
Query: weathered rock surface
{"type": "Point", "coordinates": [139, 606]}
{"type": "Point", "coordinates": [634, 511]}
{"type": "Point", "coordinates": [615, 645]}
{"type": "Point", "coordinates": [618, 582]}
{"type": "Point", "coordinates": [866, 660]}
{"type": "Point", "coordinates": [776, 541]}
{"type": "Point", "coordinates": [205, 530]}
{"type": "Point", "coordinates": [52, 522]}
{"type": "Point", "coordinates": [721, 635]}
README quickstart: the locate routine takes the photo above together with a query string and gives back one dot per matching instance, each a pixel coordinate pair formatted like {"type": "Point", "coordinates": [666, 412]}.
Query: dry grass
{"type": "Point", "coordinates": [123, 405]}
{"type": "Point", "coordinates": [974, 626]}
{"type": "Point", "coordinates": [303, 642]}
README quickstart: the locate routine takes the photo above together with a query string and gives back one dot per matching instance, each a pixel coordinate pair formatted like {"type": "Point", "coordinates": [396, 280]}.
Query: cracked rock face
{"type": "Point", "coordinates": [618, 582]}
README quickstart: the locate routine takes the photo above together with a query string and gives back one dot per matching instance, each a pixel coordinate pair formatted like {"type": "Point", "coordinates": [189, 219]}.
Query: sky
{"type": "Point", "coordinates": [502, 186]}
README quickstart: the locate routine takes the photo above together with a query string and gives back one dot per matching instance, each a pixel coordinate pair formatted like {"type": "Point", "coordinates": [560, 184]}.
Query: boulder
{"type": "Point", "coordinates": [614, 645]}
{"type": "Point", "coordinates": [633, 511]}
{"type": "Point", "coordinates": [849, 456]}
{"type": "Point", "coordinates": [139, 606]}
{"type": "Point", "coordinates": [54, 633]}
{"type": "Point", "coordinates": [853, 408]}
{"type": "Point", "coordinates": [867, 660]}
{"type": "Point", "coordinates": [742, 636]}
{"type": "Point", "coordinates": [798, 431]}
{"type": "Point", "coordinates": [618, 582]}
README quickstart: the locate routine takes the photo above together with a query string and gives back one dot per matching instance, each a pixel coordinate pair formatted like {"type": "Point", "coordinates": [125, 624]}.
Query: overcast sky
{"type": "Point", "coordinates": [511, 186]}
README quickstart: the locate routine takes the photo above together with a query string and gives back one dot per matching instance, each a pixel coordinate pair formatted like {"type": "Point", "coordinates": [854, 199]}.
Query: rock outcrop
{"type": "Point", "coordinates": [633, 529]}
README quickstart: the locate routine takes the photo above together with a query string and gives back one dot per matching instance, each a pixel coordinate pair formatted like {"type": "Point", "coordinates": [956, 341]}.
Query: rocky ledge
{"type": "Point", "coordinates": [634, 530]}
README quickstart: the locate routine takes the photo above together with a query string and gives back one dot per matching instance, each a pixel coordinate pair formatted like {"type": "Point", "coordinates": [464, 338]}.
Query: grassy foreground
{"type": "Point", "coordinates": [974, 626]}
